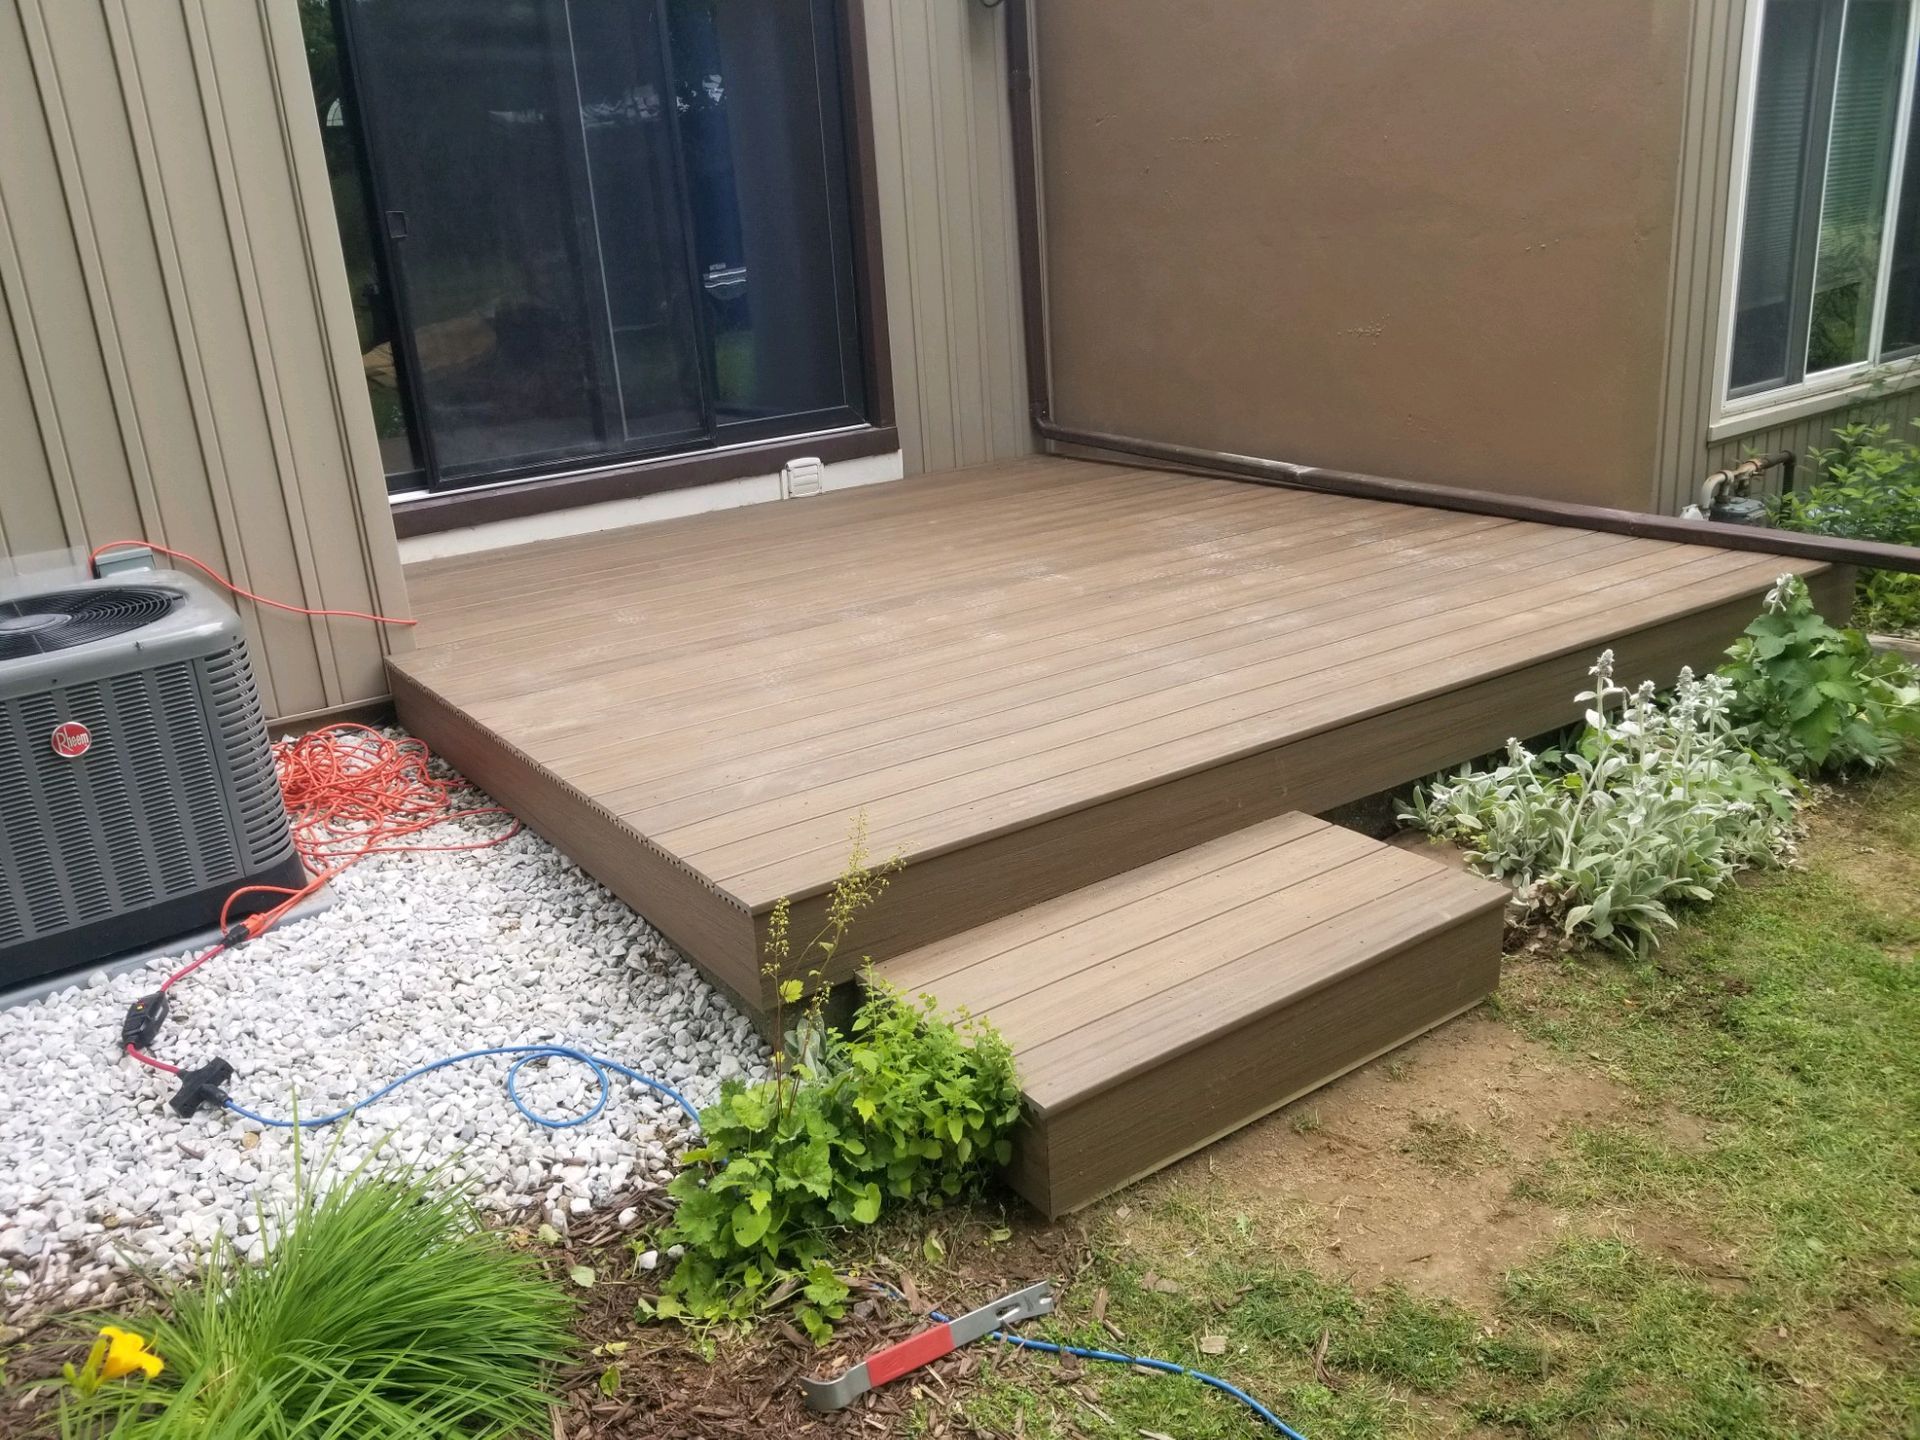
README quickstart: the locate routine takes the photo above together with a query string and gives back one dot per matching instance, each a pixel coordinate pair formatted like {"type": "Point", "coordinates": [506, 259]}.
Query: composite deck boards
{"type": "Point", "coordinates": [1026, 677]}
{"type": "Point", "coordinates": [1153, 1011]}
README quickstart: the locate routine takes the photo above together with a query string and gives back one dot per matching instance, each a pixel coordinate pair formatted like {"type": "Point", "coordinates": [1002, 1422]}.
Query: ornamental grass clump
{"type": "Point", "coordinates": [1658, 803]}
{"type": "Point", "coordinates": [383, 1307]}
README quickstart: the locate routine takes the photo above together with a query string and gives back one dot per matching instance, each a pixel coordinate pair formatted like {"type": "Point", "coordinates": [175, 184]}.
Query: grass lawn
{"type": "Point", "coordinates": [1722, 1239]}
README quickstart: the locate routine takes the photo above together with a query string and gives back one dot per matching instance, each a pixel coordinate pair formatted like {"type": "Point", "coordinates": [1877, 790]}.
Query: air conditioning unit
{"type": "Point", "coordinates": [137, 790]}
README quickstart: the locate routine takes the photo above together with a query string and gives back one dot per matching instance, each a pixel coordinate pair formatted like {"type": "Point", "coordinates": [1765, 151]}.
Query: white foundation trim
{"type": "Point", "coordinates": [641, 510]}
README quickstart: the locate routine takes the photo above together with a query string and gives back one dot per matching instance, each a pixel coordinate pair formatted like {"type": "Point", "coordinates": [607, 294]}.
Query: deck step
{"type": "Point", "coordinates": [1156, 1011]}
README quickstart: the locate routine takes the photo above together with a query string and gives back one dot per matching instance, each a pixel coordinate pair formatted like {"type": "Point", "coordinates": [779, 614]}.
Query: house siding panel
{"type": "Point", "coordinates": [179, 360]}
{"type": "Point", "coordinates": [1814, 432]}
{"type": "Point", "coordinates": [1413, 237]}
{"type": "Point", "coordinates": [1708, 165]}
{"type": "Point", "coordinates": [178, 363]}
{"type": "Point", "coordinates": [939, 83]}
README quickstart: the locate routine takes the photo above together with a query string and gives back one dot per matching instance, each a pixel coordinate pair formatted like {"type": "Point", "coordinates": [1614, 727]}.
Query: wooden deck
{"type": "Point", "coordinates": [1030, 678]}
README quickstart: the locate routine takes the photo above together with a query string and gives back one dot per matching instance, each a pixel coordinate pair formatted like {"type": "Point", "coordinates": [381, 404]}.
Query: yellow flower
{"type": "Point", "coordinates": [115, 1354]}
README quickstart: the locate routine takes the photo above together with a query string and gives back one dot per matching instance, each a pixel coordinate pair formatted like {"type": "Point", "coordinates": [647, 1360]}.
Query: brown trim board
{"type": "Point", "coordinates": [868, 256]}
{"type": "Point", "coordinates": [1119, 1134]}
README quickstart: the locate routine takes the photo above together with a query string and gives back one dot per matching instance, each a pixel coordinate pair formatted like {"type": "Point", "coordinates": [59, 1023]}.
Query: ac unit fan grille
{"type": "Point", "coordinates": [63, 619]}
{"type": "Point", "coordinates": [177, 795]}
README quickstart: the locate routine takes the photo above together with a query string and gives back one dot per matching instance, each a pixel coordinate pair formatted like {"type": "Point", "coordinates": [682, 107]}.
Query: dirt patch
{"type": "Point", "coordinates": [1404, 1170]}
{"type": "Point", "coordinates": [1866, 833]}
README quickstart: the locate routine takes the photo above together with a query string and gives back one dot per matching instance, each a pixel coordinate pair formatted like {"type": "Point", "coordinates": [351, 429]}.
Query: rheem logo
{"type": "Point", "coordinates": [71, 740]}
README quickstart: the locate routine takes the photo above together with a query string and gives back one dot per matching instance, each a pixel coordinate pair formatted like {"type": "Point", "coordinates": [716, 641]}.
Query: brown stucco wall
{"type": "Point", "coordinates": [1420, 238]}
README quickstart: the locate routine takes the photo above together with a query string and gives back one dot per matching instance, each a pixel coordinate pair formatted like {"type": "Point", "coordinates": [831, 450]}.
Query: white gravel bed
{"type": "Point", "coordinates": [423, 956]}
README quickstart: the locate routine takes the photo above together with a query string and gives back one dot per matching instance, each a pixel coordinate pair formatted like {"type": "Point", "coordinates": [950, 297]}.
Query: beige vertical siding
{"type": "Point", "coordinates": [1815, 432]}
{"type": "Point", "coordinates": [939, 77]}
{"type": "Point", "coordinates": [178, 360]}
{"type": "Point", "coordinates": [1699, 247]}
{"type": "Point", "coordinates": [1709, 155]}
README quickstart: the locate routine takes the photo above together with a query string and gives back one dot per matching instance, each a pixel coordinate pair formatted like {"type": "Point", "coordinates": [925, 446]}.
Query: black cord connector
{"type": "Point", "coordinates": [144, 1019]}
{"type": "Point", "coordinates": [204, 1086]}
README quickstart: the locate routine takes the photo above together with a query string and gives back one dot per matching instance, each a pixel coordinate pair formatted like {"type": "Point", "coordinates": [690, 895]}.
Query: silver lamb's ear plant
{"type": "Point", "coordinates": [1783, 592]}
{"type": "Point", "coordinates": [1658, 803]}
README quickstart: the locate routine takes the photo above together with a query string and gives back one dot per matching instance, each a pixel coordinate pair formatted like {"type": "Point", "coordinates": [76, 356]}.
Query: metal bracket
{"type": "Point", "coordinates": [926, 1346]}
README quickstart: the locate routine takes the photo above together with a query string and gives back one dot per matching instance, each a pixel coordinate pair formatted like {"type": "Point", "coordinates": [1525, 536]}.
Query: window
{"type": "Point", "coordinates": [1828, 261]}
{"type": "Point", "coordinates": [588, 231]}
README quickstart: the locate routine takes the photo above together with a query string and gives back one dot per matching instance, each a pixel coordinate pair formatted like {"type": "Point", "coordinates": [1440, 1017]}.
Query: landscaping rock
{"type": "Point", "coordinates": [423, 956]}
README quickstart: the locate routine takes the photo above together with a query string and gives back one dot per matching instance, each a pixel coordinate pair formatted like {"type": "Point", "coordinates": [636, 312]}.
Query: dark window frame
{"type": "Point", "coordinates": [738, 449]}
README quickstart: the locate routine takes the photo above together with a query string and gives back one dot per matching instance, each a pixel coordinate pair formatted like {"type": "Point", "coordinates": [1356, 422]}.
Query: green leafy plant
{"type": "Point", "coordinates": [1657, 802]}
{"type": "Point", "coordinates": [1869, 489]}
{"type": "Point", "coordinates": [907, 1107]}
{"type": "Point", "coordinates": [1814, 698]}
{"type": "Point", "coordinates": [382, 1307]}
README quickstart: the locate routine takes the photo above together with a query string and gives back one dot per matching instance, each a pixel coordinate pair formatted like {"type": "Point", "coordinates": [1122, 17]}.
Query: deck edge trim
{"type": "Point", "coordinates": [1277, 1105]}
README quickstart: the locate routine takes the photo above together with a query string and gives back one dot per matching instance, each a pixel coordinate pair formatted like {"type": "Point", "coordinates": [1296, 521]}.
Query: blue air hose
{"type": "Point", "coordinates": [1146, 1362]}
{"type": "Point", "coordinates": [603, 1070]}
{"type": "Point", "coordinates": [1114, 1357]}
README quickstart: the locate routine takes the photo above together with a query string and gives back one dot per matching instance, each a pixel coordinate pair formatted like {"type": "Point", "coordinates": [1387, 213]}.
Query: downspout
{"type": "Point", "coordinates": [1262, 471]}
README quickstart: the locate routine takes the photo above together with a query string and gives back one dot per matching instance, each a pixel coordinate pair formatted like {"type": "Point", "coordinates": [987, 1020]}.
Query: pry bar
{"type": "Point", "coordinates": [927, 1346]}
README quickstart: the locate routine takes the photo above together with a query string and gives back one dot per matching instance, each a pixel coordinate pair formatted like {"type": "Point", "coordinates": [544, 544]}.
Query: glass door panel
{"type": "Point", "coordinates": [760, 124]}
{"type": "Point", "coordinates": [611, 227]}
{"type": "Point", "coordinates": [627, 130]}
{"type": "Point", "coordinates": [475, 148]}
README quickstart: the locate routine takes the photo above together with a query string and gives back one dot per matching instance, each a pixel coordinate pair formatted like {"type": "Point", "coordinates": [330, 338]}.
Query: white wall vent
{"type": "Point", "coordinates": [804, 475]}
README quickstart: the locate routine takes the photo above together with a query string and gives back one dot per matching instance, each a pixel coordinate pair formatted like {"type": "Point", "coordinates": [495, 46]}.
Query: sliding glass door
{"type": "Point", "coordinates": [611, 228]}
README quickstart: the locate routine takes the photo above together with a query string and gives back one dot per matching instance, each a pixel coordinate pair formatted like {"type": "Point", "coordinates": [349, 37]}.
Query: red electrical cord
{"type": "Point", "coordinates": [93, 561]}
{"type": "Point", "coordinates": [350, 792]}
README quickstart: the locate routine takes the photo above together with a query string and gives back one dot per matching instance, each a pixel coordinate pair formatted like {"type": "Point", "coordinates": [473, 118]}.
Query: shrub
{"type": "Point", "coordinates": [383, 1307]}
{"type": "Point", "coordinates": [1657, 803]}
{"type": "Point", "coordinates": [1814, 698]}
{"type": "Point", "coordinates": [1869, 489]}
{"type": "Point", "coordinates": [908, 1108]}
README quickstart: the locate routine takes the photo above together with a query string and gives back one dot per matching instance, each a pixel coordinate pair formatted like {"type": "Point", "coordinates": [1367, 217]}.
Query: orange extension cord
{"type": "Point", "coordinates": [350, 792]}
{"type": "Point", "coordinates": [93, 565]}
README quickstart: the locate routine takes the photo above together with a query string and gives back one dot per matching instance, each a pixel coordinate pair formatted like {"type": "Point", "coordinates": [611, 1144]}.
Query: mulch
{"type": "Point", "coordinates": [671, 1382]}
{"type": "Point", "coordinates": [668, 1381]}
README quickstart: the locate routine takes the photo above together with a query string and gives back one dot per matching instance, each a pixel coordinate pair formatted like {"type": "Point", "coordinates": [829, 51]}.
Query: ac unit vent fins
{"type": "Point", "coordinates": [63, 619]}
{"type": "Point", "coordinates": [242, 722]}
{"type": "Point", "coordinates": [164, 805]}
